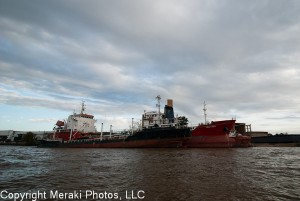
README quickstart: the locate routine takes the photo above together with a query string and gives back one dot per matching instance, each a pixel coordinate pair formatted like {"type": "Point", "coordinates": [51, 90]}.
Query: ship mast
{"type": "Point", "coordinates": [204, 109]}
{"type": "Point", "coordinates": [158, 106]}
{"type": "Point", "coordinates": [82, 107]}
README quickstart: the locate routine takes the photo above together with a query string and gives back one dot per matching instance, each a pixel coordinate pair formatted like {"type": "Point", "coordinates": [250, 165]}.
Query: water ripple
{"type": "Point", "coordinates": [257, 173]}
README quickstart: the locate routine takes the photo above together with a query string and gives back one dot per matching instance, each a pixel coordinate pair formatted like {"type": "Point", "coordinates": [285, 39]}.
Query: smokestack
{"type": "Point", "coordinates": [170, 102]}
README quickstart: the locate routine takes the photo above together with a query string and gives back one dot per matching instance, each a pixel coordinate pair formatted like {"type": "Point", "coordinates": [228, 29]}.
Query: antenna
{"type": "Point", "coordinates": [158, 105]}
{"type": "Point", "coordinates": [82, 107]}
{"type": "Point", "coordinates": [204, 109]}
{"type": "Point", "coordinates": [158, 102]}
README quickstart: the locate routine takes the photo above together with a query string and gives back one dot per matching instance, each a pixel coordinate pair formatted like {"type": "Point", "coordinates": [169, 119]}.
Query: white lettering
{"type": "Point", "coordinates": [91, 194]}
{"type": "Point", "coordinates": [138, 194]}
{"type": "Point", "coordinates": [88, 193]}
{"type": "Point", "coordinates": [3, 196]}
{"type": "Point", "coordinates": [74, 195]}
{"type": "Point", "coordinates": [53, 195]}
{"type": "Point", "coordinates": [134, 196]}
{"type": "Point", "coordinates": [22, 196]}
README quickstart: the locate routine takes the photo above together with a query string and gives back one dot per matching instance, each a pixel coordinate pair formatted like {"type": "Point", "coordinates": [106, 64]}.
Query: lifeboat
{"type": "Point", "coordinates": [60, 123]}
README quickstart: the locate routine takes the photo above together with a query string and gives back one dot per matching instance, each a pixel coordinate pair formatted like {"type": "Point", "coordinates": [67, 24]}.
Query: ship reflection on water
{"type": "Point", "coordinates": [155, 174]}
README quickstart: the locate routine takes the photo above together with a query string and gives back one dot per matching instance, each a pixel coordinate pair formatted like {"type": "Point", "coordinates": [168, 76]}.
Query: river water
{"type": "Point", "coordinates": [258, 173]}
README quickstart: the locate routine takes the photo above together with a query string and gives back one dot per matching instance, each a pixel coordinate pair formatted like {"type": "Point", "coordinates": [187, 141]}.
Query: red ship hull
{"type": "Point", "coordinates": [69, 135]}
{"type": "Point", "coordinates": [96, 143]}
{"type": "Point", "coordinates": [242, 141]}
{"type": "Point", "coordinates": [164, 137]}
{"type": "Point", "coordinates": [209, 142]}
{"type": "Point", "coordinates": [216, 135]}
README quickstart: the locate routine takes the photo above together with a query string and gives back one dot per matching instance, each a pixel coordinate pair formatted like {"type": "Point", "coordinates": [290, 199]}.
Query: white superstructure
{"type": "Point", "coordinates": [158, 119]}
{"type": "Point", "coordinates": [84, 123]}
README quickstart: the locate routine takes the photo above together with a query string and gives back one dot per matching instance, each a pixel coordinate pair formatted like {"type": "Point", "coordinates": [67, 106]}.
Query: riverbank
{"type": "Point", "coordinates": [253, 144]}
{"type": "Point", "coordinates": [15, 144]}
{"type": "Point", "coordinates": [276, 144]}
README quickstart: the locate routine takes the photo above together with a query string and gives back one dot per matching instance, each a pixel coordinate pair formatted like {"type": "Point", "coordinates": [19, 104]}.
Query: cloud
{"type": "Point", "coordinates": [42, 120]}
{"type": "Point", "coordinates": [241, 57]}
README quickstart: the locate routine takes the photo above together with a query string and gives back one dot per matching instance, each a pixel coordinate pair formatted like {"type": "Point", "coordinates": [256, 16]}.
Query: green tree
{"type": "Point", "coordinates": [183, 121]}
{"type": "Point", "coordinates": [29, 139]}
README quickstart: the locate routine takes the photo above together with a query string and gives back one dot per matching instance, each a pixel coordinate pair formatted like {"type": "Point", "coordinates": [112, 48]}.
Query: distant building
{"type": "Point", "coordinates": [259, 133]}
{"type": "Point", "coordinates": [4, 134]}
{"type": "Point", "coordinates": [244, 129]}
{"type": "Point", "coordinates": [14, 136]}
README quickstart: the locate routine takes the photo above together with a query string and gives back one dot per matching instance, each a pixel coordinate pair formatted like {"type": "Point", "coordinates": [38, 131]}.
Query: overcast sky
{"type": "Point", "coordinates": [241, 57]}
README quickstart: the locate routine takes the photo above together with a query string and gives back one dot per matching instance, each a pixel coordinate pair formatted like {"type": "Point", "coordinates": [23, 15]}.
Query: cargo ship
{"type": "Point", "coordinates": [157, 130]}
{"type": "Point", "coordinates": [219, 134]}
{"type": "Point", "coordinates": [277, 140]}
{"type": "Point", "coordinates": [215, 134]}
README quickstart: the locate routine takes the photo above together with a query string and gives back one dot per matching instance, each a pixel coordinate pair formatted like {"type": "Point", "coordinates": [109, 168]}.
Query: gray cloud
{"type": "Point", "coordinates": [241, 57]}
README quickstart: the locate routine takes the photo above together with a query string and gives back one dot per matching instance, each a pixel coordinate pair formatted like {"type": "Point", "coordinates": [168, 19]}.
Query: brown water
{"type": "Point", "coordinates": [259, 173]}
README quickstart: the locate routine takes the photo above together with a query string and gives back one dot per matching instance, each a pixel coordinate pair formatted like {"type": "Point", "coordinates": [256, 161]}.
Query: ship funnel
{"type": "Point", "coordinates": [170, 102]}
{"type": "Point", "coordinates": [169, 112]}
